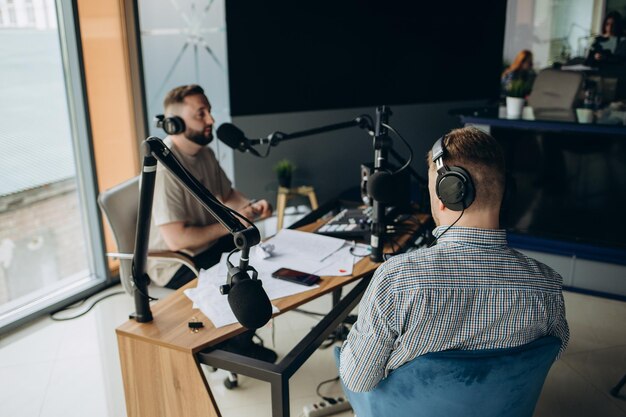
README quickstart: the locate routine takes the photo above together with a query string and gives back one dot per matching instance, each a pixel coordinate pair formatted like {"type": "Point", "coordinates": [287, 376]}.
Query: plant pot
{"type": "Point", "coordinates": [514, 107]}
{"type": "Point", "coordinates": [285, 181]}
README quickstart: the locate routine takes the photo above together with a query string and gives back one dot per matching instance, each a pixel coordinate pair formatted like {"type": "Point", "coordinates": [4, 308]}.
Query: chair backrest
{"type": "Point", "coordinates": [491, 382]}
{"type": "Point", "coordinates": [120, 205]}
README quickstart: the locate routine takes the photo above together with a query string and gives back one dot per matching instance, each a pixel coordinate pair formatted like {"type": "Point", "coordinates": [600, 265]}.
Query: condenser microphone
{"type": "Point", "coordinates": [234, 138]}
{"type": "Point", "coordinates": [390, 188]}
{"type": "Point", "coordinates": [247, 299]}
{"type": "Point", "coordinates": [381, 187]}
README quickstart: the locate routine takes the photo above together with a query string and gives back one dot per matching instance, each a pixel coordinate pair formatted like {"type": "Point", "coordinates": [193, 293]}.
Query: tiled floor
{"type": "Point", "coordinates": [71, 368]}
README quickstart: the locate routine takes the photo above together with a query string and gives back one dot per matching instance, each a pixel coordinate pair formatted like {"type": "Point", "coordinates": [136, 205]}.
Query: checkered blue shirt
{"type": "Point", "coordinates": [470, 291]}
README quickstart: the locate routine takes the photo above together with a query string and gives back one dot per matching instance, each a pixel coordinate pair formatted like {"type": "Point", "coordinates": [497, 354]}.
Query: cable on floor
{"type": "Point", "coordinates": [54, 316]}
{"type": "Point", "coordinates": [328, 381]}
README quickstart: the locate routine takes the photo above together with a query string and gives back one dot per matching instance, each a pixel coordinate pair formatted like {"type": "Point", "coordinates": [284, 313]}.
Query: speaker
{"type": "Point", "coordinates": [172, 125]}
{"type": "Point", "coordinates": [366, 170]}
{"type": "Point", "coordinates": [454, 185]}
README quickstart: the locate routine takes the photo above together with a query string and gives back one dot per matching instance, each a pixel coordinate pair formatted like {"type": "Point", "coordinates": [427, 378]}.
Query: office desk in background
{"type": "Point", "coordinates": [161, 360]}
{"type": "Point", "coordinates": [537, 121]}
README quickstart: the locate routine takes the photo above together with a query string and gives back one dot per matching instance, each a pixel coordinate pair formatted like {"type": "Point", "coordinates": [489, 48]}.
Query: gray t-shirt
{"type": "Point", "coordinates": [173, 203]}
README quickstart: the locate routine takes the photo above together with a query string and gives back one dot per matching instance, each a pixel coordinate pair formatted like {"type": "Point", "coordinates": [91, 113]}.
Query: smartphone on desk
{"type": "Point", "coordinates": [297, 277]}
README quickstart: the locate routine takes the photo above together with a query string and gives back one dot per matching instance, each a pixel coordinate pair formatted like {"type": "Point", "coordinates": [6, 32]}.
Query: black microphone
{"type": "Point", "coordinates": [234, 138]}
{"type": "Point", "coordinates": [390, 188]}
{"type": "Point", "coordinates": [381, 186]}
{"type": "Point", "coordinates": [247, 299]}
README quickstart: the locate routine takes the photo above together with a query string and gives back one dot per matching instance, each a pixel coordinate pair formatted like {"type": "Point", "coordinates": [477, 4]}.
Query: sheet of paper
{"type": "Point", "coordinates": [304, 245]}
{"type": "Point", "coordinates": [339, 263]}
{"type": "Point", "coordinates": [275, 288]}
{"type": "Point", "coordinates": [269, 265]}
{"type": "Point", "coordinates": [214, 305]}
{"type": "Point", "coordinates": [207, 297]}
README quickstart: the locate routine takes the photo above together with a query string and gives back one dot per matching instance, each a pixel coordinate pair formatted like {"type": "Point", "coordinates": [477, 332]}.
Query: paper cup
{"type": "Point", "coordinates": [584, 115]}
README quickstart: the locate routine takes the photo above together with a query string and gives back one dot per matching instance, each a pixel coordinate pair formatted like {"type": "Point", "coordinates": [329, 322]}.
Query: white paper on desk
{"type": "Point", "coordinates": [214, 305]}
{"type": "Point", "coordinates": [275, 288]}
{"type": "Point", "coordinates": [207, 297]}
{"type": "Point", "coordinates": [304, 245]}
{"type": "Point", "coordinates": [267, 266]}
{"type": "Point", "coordinates": [339, 263]}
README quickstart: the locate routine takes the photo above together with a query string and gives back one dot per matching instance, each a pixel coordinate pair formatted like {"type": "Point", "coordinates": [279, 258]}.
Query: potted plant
{"type": "Point", "coordinates": [516, 92]}
{"type": "Point", "coordinates": [284, 170]}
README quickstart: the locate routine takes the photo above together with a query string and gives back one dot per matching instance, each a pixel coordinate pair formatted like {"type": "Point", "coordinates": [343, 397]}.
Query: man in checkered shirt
{"type": "Point", "coordinates": [469, 291]}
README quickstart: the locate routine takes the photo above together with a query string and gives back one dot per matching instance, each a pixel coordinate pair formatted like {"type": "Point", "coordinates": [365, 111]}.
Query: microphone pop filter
{"type": "Point", "coordinates": [231, 135]}
{"type": "Point", "coordinates": [250, 303]}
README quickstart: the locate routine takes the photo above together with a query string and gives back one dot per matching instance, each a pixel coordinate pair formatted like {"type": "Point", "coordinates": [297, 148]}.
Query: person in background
{"type": "Point", "coordinates": [180, 222]}
{"type": "Point", "coordinates": [610, 47]}
{"type": "Point", "coordinates": [469, 291]}
{"type": "Point", "coordinates": [521, 69]}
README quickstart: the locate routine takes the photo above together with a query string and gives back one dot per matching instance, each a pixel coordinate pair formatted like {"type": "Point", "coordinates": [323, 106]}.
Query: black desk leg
{"type": "Point", "coordinates": [336, 296]}
{"type": "Point", "coordinates": [280, 397]}
{"type": "Point", "coordinates": [278, 374]}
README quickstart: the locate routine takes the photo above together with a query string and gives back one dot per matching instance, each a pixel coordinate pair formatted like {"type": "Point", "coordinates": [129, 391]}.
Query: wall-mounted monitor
{"type": "Point", "coordinates": [286, 56]}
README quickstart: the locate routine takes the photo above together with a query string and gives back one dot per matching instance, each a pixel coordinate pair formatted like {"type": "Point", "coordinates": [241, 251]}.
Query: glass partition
{"type": "Point", "coordinates": [184, 42]}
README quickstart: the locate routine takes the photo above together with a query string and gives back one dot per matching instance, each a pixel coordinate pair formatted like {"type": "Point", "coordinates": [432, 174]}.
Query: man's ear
{"type": "Point", "coordinates": [441, 206]}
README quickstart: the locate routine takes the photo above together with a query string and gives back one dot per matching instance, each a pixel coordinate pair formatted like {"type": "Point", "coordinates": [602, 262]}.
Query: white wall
{"type": "Point", "coordinates": [551, 29]}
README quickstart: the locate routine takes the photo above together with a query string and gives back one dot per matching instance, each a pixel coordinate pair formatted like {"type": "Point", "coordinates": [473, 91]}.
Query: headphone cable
{"type": "Point", "coordinates": [434, 242]}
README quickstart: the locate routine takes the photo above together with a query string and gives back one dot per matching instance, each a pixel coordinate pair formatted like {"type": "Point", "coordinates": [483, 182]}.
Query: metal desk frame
{"type": "Point", "coordinates": [278, 375]}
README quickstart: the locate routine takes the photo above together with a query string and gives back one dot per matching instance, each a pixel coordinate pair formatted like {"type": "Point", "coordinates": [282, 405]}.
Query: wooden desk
{"type": "Point", "coordinates": [161, 360]}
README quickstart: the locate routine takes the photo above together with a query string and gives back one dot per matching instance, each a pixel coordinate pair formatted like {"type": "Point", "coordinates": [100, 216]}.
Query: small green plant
{"type": "Point", "coordinates": [284, 170]}
{"type": "Point", "coordinates": [284, 167]}
{"type": "Point", "coordinates": [518, 88]}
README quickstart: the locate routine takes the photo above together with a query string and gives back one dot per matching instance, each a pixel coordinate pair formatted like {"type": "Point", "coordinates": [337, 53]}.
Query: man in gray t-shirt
{"type": "Point", "coordinates": [179, 222]}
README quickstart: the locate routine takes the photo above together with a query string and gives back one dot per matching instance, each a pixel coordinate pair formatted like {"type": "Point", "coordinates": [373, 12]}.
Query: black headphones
{"type": "Point", "coordinates": [454, 184]}
{"type": "Point", "coordinates": [172, 125]}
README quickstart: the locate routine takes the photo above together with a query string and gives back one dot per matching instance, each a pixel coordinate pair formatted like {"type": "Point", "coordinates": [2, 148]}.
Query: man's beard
{"type": "Point", "coordinates": [199, 137]}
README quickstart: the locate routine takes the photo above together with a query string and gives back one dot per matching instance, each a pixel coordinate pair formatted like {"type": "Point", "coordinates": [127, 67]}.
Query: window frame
{"type": "Point", "coordinates": [99, 275]}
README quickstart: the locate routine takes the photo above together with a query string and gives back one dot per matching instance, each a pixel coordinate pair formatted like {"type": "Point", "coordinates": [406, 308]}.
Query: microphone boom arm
{"type": "Point", "coordinates": [363, 121]}
{"type": "Point", "coordinates": [244, 237]}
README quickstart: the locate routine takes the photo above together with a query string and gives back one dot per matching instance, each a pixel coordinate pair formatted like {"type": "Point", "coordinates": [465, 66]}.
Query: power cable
{"type": "Point", "coordinates": [55, 317]}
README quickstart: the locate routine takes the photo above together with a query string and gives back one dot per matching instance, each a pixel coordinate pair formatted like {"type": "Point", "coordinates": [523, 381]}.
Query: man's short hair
{"type": "Point", "coordinates": [482, 156]}
{"type": "Point", "coordinates": [177, 95]}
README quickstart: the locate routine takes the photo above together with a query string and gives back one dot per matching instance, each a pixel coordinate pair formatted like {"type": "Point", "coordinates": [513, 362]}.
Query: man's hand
{"type": "Point", "coordinates": [257, 210]}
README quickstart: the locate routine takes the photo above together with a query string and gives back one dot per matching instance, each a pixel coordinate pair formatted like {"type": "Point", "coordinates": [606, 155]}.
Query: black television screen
{"type": "Point", "coordinates": [286, 56]}
{"type": "Point", "coordinates": [569, 187]}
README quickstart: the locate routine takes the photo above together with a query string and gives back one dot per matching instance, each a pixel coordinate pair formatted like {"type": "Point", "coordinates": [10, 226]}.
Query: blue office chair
{"type": "Point", "coordinates": [478, 383]}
